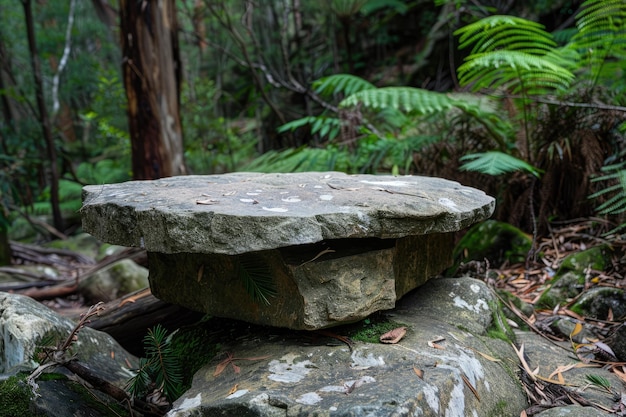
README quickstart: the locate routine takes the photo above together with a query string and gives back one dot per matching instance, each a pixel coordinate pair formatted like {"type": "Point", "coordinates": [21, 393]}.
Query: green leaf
{"type": "Point", "coordinates": [496, 163]}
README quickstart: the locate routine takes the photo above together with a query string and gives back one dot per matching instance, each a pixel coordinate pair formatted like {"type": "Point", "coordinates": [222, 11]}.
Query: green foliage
{"type": "Point", "coordinates": [341, 84]}
{"type": "Point", "coordinates": [601, 40]}
{"type": "Point", "coordinates": [511, 53]}
{"type": "Point", "coordinates": [256, 277]}
{"type": "Point", "coordinates": [406, 99]}
{"type": "Point", "coordinates": [496, 163]}
{"type": "Point", "coordinates": [159, 369]}
{"type": "Point", "coordinates": [370, 329]}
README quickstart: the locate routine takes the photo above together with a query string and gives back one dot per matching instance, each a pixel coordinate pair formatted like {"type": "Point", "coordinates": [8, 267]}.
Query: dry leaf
{"type": "Point", "coordinates": [393, 336]}
{"type": "Point", "coordinates": [418, 372]}
{"type": "Point", "coordinates": [221, 366]}
{"type": "Point", "coordinates": [577, 329]}
{"type": "Point", "coordinates": [433, 343]}
{"type": "Point", "coordinates": [484, 355]}
{"type": "Point", "coordinates": [206, 202]}
{"type": "Point", "coordinates": [469, 385]}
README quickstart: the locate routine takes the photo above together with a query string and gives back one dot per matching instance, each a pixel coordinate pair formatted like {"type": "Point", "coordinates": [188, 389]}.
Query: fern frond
{"type": "Point", "coordinates": [617, 203]}
{"type": "Point", "coordinates": [514, 71]}
{"type": "Point", "coordinates": [257, 278]}
{"type": "Point", "coordinates": [497, 32]}
{"type": "Point", "coordinates": [326, 127]}
{"type": "Point", "coordinates": [406, 99]}
{"type": "Point", "coordinates": [496, 163]}
{"type": "Point", "coordinates": [345, 84]}
{"type": "Point", "coordinates": [300, 159]}
{"type": "Point", "coordinates": [601, 36]}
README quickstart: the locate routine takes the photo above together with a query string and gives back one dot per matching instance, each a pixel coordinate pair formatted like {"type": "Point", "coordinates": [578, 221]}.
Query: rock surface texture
{"type": "Point", "coordinates": [26, 325]}
{"type": "Point", "coordinates": [453, 361]}
{"type": "Point", "coordinates": [328, 248]}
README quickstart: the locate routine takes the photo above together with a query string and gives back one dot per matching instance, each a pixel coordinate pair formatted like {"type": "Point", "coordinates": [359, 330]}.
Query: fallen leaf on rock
{"type": "Point", "coordinates": [206, 202]}
{"type": "Point", "coordinates": [393, 336]}
{"type": "Point", "coordinates": [470, 386]}
{"type": "Point", "coordinates": [418, 372]}
{"type": "Point", "coordinates": [433, 343]}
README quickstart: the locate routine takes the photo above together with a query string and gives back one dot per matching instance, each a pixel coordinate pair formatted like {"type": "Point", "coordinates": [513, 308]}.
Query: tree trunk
{"type": "Point", "coordinates": [43, 117]}
{"type": "Point", "coordinates": [151, 68]}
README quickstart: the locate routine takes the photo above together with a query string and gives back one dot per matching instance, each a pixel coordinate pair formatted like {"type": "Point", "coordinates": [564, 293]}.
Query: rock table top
{"type": "Point", "coordinates": [245, 212]}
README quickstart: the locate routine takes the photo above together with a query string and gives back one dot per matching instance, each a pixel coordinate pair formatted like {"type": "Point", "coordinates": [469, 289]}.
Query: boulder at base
{"type": "Point", "coordinates": [446, 364]}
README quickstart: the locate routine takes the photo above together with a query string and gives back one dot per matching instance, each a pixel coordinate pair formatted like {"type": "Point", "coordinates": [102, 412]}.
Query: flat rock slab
{"type": "Point", "coordinates": [246, 212]}
{"type": "Point", "coordinates": [313, 250]}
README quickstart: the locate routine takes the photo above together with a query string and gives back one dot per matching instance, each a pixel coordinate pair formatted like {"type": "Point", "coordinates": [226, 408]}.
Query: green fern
{"type": "Point", "coordinates": [160, 367]}
{"type": "Point", "coordinates": [407, 99]}
{"type": "Point", "coordinates": [256, 277]}
{"type": "Point", "coordinates": [326, 127]}
{"type": "Point", "coordinates": [505, 32]}
{"type": "Point", "coordinates": [299, 160]}
{"type": "Point", "coordinates": [514, 54]}
{"type": "Point", "coordinates": [601, 37]}
{"type": "Point", "coordinates": [345, 84]}
{"type": "Point", "coordinates": [616, 204]}
{"type": "Point", "coordinates": [496, 163]}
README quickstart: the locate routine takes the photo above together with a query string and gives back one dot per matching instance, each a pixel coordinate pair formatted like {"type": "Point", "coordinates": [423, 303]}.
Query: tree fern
{"type": "Point", "coordinates": [326, 127]}
{"type": "Point", "coordinates": [601, 36]}
{"type": "Point", "coordinates": [345, 84]}
{"type": "Point", "coordinates": [406, 99]}
{"type": "Point", "coordinates": [513, 54]}
{"type": "Point", "coordinates": [616, 204]}
{"type": "Point", "coordinates": [496, 163]}
{"type": "Point", "coordinates": [505, 32]}
{"type": "Point", "coordinates": [514, 71]}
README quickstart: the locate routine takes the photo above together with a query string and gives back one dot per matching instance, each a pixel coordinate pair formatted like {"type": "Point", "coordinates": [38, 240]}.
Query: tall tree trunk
{"type": "Point", "coordinates": [152, 69]}
{"type": "Point", "coordinates": [43, 117]}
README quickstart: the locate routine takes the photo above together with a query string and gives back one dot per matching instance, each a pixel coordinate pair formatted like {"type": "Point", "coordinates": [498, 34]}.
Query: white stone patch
{"type": "Point", "coordinates": [186, 405]}
{"type": "Point", "coordinates": [326, 197]}
{"type": "Point", "coordinates": [292, 199]}
{"type": "Point", "coordinates": [475, 288]}
{"type": "Point", "coordinates": [237, 394]}
{"type": "Point", "coordinates": [431, 394]}
{"type": "Point", "coordinates": [255, 193]}
{"type": "Point", "coordinates": [276, 209]}
{"type": "Point", "coordinates": [360, 361]}
{"type": "Point", "coordinates": [284, 192]}
{"type": "Point", "coordinates": [310, 398]}
{"type": "Point", "coordinates": [388, 183]}
{"type": "Point", "coordinates": [318, 186]}
{"type": "Point", "coordinates": [456, 406]}
{"type": "Point", "coordinates": [464, 363]}
{"type": "Point", "coordinates": [247, 200]}
{"type": "Point", "coordinates": [333, 408]}
{"type": "Point", "coordinates": [480, 304]}
{"type": "Point", "coordinates": [285, 370]}
{"type": "Point", "coordinates": [449, 203]}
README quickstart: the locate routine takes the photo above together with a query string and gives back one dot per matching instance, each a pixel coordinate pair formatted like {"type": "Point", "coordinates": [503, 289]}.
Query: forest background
{"type": "Point", "coordinates": [522, 99]}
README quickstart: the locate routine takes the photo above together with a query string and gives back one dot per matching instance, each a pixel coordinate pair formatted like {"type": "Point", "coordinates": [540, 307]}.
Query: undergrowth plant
{"type": "Point", "coordinates": [160, 370]}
